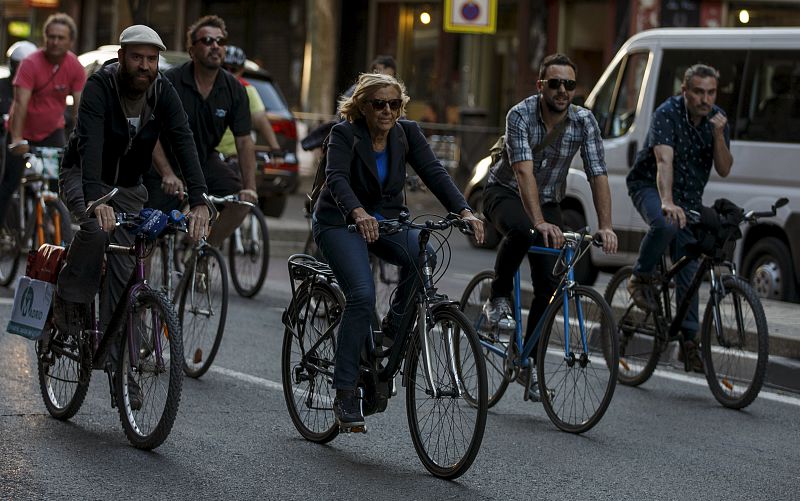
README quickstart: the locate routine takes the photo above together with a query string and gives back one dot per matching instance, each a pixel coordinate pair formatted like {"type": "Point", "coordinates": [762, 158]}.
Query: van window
{"type": "Point", "coordinates": [771, 105]}
{"type": "Point", "coordinates": [729, 63]}
{"type": "Point", "coordinates": [615, 104]}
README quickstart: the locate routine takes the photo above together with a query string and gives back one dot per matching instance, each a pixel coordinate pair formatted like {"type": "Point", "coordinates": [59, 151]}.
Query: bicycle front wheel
{"type": "Point", "coordinates": [149, 374]}
{"type": "Point", "coordinates": [639, 349]}
{"type": "Point", "coordinates": [577, 360]}
{"type": "Point", "coordinates": [494, 342]}
{"type": "Point", "coordinates": [248, 253]}
{"type": "Point", "coordinates": [203, 310]}
{"type": "Point", "coordinates": [65, 368]}
{"type": "Point", "coordinates": [57, 223]}
{"type": "Point", "coordinates": [446, 427]}
{"type": "Point", "coordinates": [735, 341]}
{"type": "Point", "coordinates": [307, 360]}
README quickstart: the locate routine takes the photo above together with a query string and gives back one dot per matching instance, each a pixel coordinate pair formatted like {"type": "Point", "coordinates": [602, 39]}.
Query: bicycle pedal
{"type": "Point", "coordinates": [353, 429]}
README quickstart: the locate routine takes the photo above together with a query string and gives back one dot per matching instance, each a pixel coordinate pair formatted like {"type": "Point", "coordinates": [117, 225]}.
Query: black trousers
{"type": "Point", "coordinates": [503, 208]}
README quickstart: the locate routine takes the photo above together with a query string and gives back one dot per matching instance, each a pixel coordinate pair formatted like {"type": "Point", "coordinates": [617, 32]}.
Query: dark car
{"type": "Point", "coordinates": [273, 181]}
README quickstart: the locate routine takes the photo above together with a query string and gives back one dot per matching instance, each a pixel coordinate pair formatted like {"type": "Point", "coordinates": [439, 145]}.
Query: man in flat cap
{"type": "Point", "coordinates": [126, 106]}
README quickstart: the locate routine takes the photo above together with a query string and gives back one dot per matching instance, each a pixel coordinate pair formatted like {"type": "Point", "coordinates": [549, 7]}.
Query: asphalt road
{"type": "Point", "coordinates": [233, 438]}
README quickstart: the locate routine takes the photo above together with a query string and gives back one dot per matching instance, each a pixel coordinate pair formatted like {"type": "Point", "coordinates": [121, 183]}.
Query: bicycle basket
{"type": "Point", "coordinates": [718, 229]}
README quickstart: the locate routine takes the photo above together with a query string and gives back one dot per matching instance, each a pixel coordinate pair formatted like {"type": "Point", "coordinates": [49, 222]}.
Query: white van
{"type": "Point", "coordinates": [759, 90]}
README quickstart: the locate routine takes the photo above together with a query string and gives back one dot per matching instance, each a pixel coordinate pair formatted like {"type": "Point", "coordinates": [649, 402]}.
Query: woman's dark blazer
{"type": "Point", "coordinates": [351, 174]}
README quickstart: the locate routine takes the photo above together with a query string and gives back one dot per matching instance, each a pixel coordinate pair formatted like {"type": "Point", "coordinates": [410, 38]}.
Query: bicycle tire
{"type": "Point", "coordinates": [199, 306]}
{"type": "Point", "coordinates": [467, 419]}
{"type": "Point", "coordinates": [639, 347]}
{"type": "Point", "coordinates": [64, 365]}
{"type": "Point", "coordinates": [159, 374]}
{"type": "Point", "coordinates": [734, 378]}
{"type": "Point", "coordinates": [250, 261]}
{"type": "Point", "coordinates": [576, 392]}
{"type": "Point", "coordinates": [56, 213]}
{"type": "Point", "coordinates": [497, 374]}
{"type": "Point", "coordinates": [307, 375]}
{"type": "Point", "coordinates": [10, 244]}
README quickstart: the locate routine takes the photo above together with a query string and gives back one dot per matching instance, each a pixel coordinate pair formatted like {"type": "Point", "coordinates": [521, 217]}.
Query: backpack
{"type": "Point", "coordinates": [319, 177]}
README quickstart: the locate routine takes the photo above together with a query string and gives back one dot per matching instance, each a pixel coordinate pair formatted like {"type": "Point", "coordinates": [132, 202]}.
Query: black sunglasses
{"type": "Point", "coordinates": [555, 83]}
{"type": "Point", "coordinates": [209, 40]}
{"type": "Point", "coordinates": [380, 104]}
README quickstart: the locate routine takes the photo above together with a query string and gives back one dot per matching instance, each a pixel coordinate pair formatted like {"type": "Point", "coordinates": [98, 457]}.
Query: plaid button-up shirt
{"type": "Point", "coordinates": [525, 129]}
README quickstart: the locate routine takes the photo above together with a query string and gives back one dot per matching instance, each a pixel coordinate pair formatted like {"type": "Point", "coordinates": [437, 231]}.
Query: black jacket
{"type": "Point", "coordinates": [110, 154]}
{"type": "Point", "coordinates": [351, 174]}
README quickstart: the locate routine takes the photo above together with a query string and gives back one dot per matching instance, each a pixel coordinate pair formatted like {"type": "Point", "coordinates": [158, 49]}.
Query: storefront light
{"type": "Point", "coordinates": [425, 17]}
{"type": "Point", "coordinates": [744, 16]}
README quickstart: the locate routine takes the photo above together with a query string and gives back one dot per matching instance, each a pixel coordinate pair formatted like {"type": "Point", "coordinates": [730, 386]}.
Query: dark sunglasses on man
{"type": "Point", "coordinates": [208, 41]}
{"type": "Point", "coordinates": [555, 83]}
{"type": "Point", "coordinates": [380, 104]}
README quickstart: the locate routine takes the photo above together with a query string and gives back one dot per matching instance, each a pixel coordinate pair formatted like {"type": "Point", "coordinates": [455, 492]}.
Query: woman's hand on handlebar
{"type": "Point", "coordinates": [365, 224]}
{"type": "Point", "coordinates": [105, 217]}
{"type": "Point", "coordinates": [609, 239]}
{"type": "Point", "coordinates": [475, 223]}
{"type": "Point", "coordinates": [198, 222]}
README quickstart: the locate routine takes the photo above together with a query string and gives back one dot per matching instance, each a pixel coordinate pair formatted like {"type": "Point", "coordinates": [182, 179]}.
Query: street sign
{"type": "Point", "coordinates": [470, 16]}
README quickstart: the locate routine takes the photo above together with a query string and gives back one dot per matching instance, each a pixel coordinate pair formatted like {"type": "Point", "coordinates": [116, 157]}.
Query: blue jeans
{"type": "Point", "coordinates": [661, 234]}
{"type": "Point", "coordinates": [348, 256]}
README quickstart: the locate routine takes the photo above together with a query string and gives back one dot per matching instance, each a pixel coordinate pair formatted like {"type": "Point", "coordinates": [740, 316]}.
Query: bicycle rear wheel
{"type": "Point", "coordinates": [577, 383]}
{"type": "Point", "coordinates": [446, 428]}
{"type": "Point", "coordinates": [203, 310]}
{"type": "Point", "coordinates": [307, 360]}
{"type": "Point", "coordinates": [735, 348]}
{"type": "Point", "coordinates": [10, 244]}
{"type": "Point", "coordinates": [248, 254]}
{"type": "Point", "coordinates": [494, 342]}
{"type": "Point", "coordinates": [65, 369]}
{"type": "Point", "coordinates": [156, 368]}
{"type": "Point", "coordinates": [639, 348]}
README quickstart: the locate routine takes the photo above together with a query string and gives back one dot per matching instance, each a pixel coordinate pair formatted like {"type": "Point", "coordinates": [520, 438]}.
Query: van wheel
{"type": "Point", "coordinates": [491, 236]}
{"type": "Point", "coordinates": [768, 268]}
{"type": "Point", "coordinates": [585, 271]}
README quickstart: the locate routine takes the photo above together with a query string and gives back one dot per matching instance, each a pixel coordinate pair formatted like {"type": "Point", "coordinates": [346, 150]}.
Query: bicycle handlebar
{"type": "Point", "coordinates": [213, 212]}
{"type": "Point", "coordinates": [391, 226]}
{"type": "Point", "coordinates": [234, 199]}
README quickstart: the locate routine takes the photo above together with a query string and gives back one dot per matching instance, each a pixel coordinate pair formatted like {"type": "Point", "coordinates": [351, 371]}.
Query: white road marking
{"type": "Point", "coordinates": [247, 378]}
{"type": "Point", "coordinates": [7, 300]}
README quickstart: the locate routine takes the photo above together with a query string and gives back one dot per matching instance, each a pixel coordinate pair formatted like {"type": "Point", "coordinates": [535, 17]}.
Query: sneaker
{"type": "Point", "coordinates": [347, 409]}
{"type": "Point", "coordinates": [68, 317]}
{"type": "Point", "coordinates": [641, 291]}
{"type": "Point", "coordinates": [498, 314]}
{"type": "Point", "coordinates": [689, 355]}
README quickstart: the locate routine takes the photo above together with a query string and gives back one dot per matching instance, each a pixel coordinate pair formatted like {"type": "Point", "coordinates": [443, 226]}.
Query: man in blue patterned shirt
{"type": "Point", "coordinates": [688, 134]}
{"type": "Point", "coordinates": [522, 195]}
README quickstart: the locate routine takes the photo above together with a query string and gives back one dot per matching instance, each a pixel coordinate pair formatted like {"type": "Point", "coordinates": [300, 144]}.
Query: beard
{"type": "Point", "coordinates": [551, 104]}
{"type": "Point", "coordinates": [131, 82]}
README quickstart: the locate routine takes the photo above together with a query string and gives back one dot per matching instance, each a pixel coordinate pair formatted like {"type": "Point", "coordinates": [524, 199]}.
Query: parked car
{"type": "Point", "coordinates": [273, 181]}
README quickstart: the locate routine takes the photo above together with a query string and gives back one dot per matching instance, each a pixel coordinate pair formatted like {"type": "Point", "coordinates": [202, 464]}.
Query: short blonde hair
{"type": "Point", "coordinates": [368, 84]}
{"type": "Point", "coordinates": [61, 18]}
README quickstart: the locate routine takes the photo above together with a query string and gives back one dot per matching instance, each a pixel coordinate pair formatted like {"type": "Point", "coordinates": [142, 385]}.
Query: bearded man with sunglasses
{"type": "Point", "coordinates": [523, 193]}
{"type": "Point", "coordinates": [214, 101]}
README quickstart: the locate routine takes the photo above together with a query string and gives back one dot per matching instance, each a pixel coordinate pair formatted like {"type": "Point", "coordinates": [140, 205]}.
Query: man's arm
{"type": "Point", "coordinates": [723, 160]}
{"type": "Point", "coordinates": [170, 183]}
{"type": "Point", "coordinates": [601, 195]}
{"type": "Point", "coordinates": [245, 151]}
{"type": "Point", "coordinates": [262, 125]}
{"type": "Point", "coordinates": [529, 194]}
{"type": "Point", "coordinates": [664, 155]}
{"type": "Point", "coordinates": [76, 101]}
{"type": "Point", "coordinates": [22, 97]}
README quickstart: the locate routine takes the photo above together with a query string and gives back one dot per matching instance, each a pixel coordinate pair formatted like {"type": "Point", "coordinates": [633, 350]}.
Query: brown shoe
{"type": "Point", "coordinates": [689, 355]}
{"type": "Point", "coordinates": [641, 291]}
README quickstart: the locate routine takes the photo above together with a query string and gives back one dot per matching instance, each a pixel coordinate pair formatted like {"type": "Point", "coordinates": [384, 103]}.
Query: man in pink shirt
{"type": "Point", "coordinates": [41, 86]}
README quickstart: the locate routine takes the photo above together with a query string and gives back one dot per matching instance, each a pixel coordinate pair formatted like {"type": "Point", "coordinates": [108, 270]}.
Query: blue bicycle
{"type": "Point", "coordinates": [577, 357]}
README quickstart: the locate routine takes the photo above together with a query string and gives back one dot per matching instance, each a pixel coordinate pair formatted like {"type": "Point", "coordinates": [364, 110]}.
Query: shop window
{"type": "Point", "coordinates": [771, 108]}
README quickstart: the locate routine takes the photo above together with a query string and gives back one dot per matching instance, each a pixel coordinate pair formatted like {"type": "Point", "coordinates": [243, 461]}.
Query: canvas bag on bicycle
{"type": "Point", "coordinates": [319, 177]}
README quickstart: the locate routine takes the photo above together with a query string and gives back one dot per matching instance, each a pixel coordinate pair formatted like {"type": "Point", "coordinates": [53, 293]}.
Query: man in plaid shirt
{"type": "Point", "coordinates": [522, 195]}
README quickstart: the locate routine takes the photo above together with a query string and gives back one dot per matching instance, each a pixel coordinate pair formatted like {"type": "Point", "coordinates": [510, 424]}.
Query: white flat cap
{"type": "Point", "coordinates": [140, 34]}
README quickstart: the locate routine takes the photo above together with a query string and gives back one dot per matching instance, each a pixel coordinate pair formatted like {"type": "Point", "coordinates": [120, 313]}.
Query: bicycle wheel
{"type": "Point", "coordinates": [158, 268]}
{"type": "Point", "coordinates": [446, 428]}
{"type": "Point", "coordinates": [57, 223]}
{"type": "Point", "coordinates": [65, 369]}
{"type": "Point", "coordinates": [202, 310]}
{"type": "Point", "coordinates": [154, 338]}
{"type": "Point", "coordinates": [494, 342]}
{"type": "Point", "coordinates": [386, 277]}
{"type": "Point", "coordinates": [10, 244]}
{"type": "Point", "coordinates": [735, 350]}
{"type": "Point", "coordinates": [639, 348]}
{"type": "Point", "coordinates": [248, 254]}
{"type": "Point", "coordinates": [577, 382]}
{"type": "Point", "coordinates": [307, 360]}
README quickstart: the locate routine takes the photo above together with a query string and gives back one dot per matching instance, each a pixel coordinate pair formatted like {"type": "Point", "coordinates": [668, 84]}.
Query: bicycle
{"type": "Point", "coordinates": [248, 252]}
{"type": "Point", "coordinates": [35, 215]}
{"type": "Point", "coordinates": [576, 358]}
{"type": "Point", "coordinates": [144, 329]}
{"type": "Point", "coordinates": [443, 370]}
{"type": "Point", "coordinates": [734, 332]}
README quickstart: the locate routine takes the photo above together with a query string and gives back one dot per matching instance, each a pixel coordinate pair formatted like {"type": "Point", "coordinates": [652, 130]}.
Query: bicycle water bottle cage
{"type": "Point", "coordinates": [153, 223]}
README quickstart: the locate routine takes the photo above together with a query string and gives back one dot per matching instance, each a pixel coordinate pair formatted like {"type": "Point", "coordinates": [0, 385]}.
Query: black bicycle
{"type": "Point", "coordinates": [734, 333]}
{"type": "Point", "coordinates": [443, 368]}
